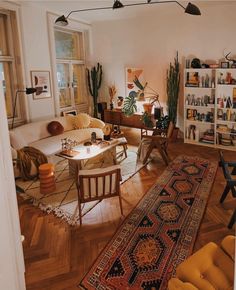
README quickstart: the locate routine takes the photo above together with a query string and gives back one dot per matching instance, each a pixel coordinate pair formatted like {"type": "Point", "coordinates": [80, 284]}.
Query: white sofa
{"type": "Point", "coordinates": [36, 135]}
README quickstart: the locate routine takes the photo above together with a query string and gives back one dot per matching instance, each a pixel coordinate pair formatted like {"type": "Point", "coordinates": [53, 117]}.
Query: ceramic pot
{"type": "Point", "coordinates": [148, 108]}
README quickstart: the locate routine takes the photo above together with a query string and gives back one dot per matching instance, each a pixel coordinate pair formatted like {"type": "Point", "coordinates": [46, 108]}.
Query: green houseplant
{"type": "Point", "coordinates": [130, 105]}
{"type": "Point", "coordinates": [94, 84]}
{"type": "Point", "coordinates": [172, 90]}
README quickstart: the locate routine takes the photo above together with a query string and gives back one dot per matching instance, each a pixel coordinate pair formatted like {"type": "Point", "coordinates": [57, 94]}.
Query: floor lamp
{"type": "Point", "coordinates": [28, 91]}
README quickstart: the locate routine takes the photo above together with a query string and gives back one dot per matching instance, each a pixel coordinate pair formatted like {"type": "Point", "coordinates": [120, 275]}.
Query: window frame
{"type": "Point", "coordinates": [70, 63]}
{"type": "Point", "coordinates": [14, 60]}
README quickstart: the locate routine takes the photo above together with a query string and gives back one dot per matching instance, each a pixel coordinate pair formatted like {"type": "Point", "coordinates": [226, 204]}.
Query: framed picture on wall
{"type": "Point", "coordinates": [71, 112]}
{"type": "Point", "coordinates": [41, 82]}
{"type": "Point", "coordinates": [130, 74]}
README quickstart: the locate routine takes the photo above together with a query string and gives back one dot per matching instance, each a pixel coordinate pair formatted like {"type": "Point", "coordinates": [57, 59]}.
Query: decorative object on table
{"type": "Point", "coordinates": [42, 83]}
{"type": "Point", "coordinates": [196, 63]}
{"type": "Point", "coordinates": [160, 231]}
{"type": "Point", "coordinates": [94, 83]}
{"type": "Point", "coordinates": [93, 137]}
{"type": "Point", "coordinates": [112, 93]}
{"type": "Point", "coordinates": [27, 91]}
{"type": "Point", "coordinates": [231, 60]}
{"type": "Point", "coordinates": [107, 132]}
{"type": "Point", "coordinates": [172, 90]}
{"type": "Point", "coordinates": [120, 101]}
{"type": "Point", "coordinates": [63, 202]}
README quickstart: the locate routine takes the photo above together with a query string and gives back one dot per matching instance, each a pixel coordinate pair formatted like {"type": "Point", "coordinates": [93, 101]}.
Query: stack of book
{"type": "Point", "coordinates": [208, 137]}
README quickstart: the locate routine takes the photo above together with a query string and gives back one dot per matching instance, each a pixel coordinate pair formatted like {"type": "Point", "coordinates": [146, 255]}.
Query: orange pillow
{"type": "Point", "coordinates": [55, 128]}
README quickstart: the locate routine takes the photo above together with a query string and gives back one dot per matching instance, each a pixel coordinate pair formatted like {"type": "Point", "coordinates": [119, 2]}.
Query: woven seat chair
{"type": "Point", "coordinates": [159, 142]}
{"type": "Point", "coordinates": [98, 184]}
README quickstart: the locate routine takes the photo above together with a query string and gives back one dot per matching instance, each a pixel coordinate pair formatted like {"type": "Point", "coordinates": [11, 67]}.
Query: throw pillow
{"type": "Point", "coordinates": [82, 120]}
{"type": "Point", "coordinates": [96, 123]}
{"type": "Point", "coordinates": [55, 128]}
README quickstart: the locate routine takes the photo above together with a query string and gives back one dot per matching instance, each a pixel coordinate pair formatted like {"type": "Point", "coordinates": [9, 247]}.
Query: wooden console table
{"type": "Point", "coordinates": [117, 117]}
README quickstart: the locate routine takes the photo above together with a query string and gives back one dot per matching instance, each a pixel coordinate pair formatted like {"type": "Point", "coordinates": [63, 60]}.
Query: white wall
{"type": "Point", "coordinates": [151, 42]}
{"type": "Point", "coordinates": [36, 56]}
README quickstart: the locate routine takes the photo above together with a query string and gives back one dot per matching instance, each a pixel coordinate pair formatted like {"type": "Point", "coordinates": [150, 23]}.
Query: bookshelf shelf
{"type": "Point", "coordinates": [208, 95]}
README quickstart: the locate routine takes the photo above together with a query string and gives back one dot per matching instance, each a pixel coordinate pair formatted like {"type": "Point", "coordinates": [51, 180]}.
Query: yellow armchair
{"type": "Point", "coordinates": [210, 268]}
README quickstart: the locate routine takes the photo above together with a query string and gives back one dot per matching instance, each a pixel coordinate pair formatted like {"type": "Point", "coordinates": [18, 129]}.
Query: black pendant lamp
{"type": "Point", "coordinates": [192, 9]}
{"type": "Point", "coordinates": [117, 4]}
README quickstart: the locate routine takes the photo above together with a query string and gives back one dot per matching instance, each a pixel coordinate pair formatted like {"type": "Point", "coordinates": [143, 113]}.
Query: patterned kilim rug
{"type": "Point", "coordinates": [63, 201]}
{"type": "Point", "coordinates": [159, 233]}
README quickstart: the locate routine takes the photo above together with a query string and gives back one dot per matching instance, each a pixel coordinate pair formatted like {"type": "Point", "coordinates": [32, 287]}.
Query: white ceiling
{"type": "Point", "coordinates": [65, 6]}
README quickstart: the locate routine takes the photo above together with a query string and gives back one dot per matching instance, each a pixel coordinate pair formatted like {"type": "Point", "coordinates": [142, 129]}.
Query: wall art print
{"type": "Point", "coordinates": [130, 74]}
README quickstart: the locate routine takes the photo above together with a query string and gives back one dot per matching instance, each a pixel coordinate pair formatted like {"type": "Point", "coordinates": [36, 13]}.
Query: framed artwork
{"type": "Point", "coordinates": [71, 112]}
{"type": "Point", "coordinates": [130, 74]}
{"type": "Point", "coordinates": [224, 64]}
{"type": "Point", "coordinates": [42, 83]}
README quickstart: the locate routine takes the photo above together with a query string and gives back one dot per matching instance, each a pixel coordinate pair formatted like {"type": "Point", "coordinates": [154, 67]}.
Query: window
{"type": "Point", "coordinates": [70, 68]}
{"type": "Point", "coordinates": [10, 70]}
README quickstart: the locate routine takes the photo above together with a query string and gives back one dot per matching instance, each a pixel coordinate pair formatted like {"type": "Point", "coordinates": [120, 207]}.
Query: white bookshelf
{"type": "Point", "coordinates": [210, 107]}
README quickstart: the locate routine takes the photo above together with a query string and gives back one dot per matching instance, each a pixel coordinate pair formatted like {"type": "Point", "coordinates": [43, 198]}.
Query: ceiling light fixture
{"type": "Point", "coordinates": [189, 9]}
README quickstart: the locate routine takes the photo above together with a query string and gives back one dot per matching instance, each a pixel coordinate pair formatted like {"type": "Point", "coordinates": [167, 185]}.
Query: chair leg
{"type": "Point", "coordinates": [164, 157]}
{"type": "Point", "coordinates": [148, 153]}
{"type": "Point", "coordinates": [225, 192]}
{"type": "Point", "coordinates": [80, 213]}
{"type": "Point", "coordinates": [121, 208]}
{"type": "Point", "coordinates": [232, 220]}
{"type": "Point", "coordinates": [125, 148]}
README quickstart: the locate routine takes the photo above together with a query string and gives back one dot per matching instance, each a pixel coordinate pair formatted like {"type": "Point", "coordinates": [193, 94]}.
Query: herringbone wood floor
{"type": "Point", "coordinates": [57, 255]}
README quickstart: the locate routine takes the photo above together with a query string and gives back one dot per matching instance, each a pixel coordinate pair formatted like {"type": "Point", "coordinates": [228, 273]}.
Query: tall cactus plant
{"type": "Point", "coordinates": [94, 84]}
{"type": "Point", "coordinates": [173, 81]}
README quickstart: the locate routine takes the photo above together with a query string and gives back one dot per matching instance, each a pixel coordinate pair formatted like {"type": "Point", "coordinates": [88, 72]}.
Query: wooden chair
{"type": "Point", "coordinates": [159, 140]}
{"type": "Point", "coordinates": [98, 184]}
{"type": "Point", "coordinates": [230, 183]}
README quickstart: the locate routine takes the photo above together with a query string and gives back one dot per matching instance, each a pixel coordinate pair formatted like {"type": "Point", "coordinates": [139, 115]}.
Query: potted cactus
{"type": "Point", "coordinates": [172, 90]}
{"type": "Point", "coordinates": [94, 84]}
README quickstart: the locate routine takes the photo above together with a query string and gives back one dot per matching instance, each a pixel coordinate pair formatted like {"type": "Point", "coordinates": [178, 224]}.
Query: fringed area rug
{"type": "Point", "coordinates": [63, 202]}
{"type": "Point", "coordinates": [159, 233]}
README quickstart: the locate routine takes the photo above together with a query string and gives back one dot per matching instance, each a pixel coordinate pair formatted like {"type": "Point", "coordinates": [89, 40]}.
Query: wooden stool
{"type": "Point", "coordinates": [123, 142]}
{"type": "Point", "coordinates": [47, 178]}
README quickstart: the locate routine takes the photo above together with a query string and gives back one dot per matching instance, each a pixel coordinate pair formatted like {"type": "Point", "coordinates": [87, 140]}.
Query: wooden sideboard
{"type": "Point", "coordinates": [117, 117]}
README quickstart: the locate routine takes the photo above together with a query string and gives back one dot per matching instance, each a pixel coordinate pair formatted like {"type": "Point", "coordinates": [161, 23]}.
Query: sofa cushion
{"type": "Point", "coordinates": [17, 140]}
{"type": "Point", "coordinates": [81, 121]}
{"type": "Point", "coordinates": [55, 128]}
{"type": "Point", "coordinates": [96, 123]}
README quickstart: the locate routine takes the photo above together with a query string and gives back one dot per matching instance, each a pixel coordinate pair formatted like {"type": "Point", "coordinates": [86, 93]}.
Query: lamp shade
{"type": "Point", "coordinates": [117, 4]}
{"type": "Point", "coordinates": [62, 21]}
{"type": "Point", "coordinates": [192, 9]}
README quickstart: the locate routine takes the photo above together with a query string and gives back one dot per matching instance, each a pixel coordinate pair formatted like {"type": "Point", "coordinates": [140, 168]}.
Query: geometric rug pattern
{"type": "Point", "coordinates": [159, 233]}
{"type": "Point", "coordinates": [63, 201]}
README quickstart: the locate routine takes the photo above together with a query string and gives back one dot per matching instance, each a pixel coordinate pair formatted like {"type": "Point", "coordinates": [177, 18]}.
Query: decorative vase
{"type": "Point", "coordinates": [111, 106]}
{"type": "Point", "coordinates": [147, 107]}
